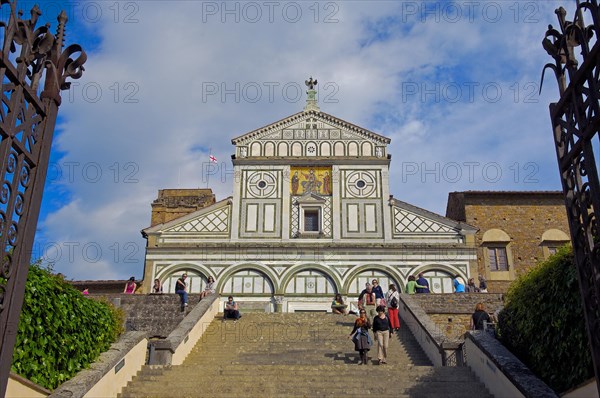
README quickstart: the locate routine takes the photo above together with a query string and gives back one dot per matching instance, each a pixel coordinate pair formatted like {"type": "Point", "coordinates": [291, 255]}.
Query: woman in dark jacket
{"type": "Point", "coordinates": [479, 317]}
{"type": "Point", "coordinates": [360, 336]}
{"type": "Point", "coordinates": [382, 330]}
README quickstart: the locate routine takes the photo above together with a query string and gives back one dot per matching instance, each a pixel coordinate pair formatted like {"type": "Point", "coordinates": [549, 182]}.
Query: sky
{"type": "Point", "coordinates": [453, 84]}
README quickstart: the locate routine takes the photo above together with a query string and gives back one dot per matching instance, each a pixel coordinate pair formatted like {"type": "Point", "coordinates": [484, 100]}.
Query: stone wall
{"type": "Point", "coordinates": [103, 287]}
{"type": "Point", "coordinates": [524, 216]}
{"type": "Point", "coordinates": [174, 203]}
{"type": "Point", "coordinates": [451, 313]}
{"type": "Point", "coordinates": [156, 314]}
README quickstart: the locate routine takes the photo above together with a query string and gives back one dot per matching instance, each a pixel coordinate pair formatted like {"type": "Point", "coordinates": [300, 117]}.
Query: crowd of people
{"type": "Point", "coordinates": [181, 288]}
{"type": "Point", "coordinates": [231, 310]}
{"type": "Point", "coordinates": [379, 312]}
{"type": "Point", "coordinates": [460, 287]}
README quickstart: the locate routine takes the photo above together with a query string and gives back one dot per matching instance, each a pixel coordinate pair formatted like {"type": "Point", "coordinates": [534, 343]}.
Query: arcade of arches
{"type": "Point", "coordinates": [251, 284]}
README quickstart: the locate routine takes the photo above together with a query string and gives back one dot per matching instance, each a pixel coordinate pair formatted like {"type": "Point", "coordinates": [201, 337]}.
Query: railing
{"type": "Point", "coordinates": [502, 372]}
{"type": "Point", "coordinates": [439, 349]}
{"type": "Point", "coordinates": [175, 348]}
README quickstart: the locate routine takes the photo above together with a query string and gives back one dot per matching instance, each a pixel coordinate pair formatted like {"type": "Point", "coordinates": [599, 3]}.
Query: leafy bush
{"type": "Point", "coordinates": [543, 324]}
{"type": "Point", "coordinates": [60, 331]}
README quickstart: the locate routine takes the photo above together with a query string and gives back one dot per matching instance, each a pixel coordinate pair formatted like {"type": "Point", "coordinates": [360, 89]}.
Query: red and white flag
{"type": "Point", "coordinates": [213, 159]}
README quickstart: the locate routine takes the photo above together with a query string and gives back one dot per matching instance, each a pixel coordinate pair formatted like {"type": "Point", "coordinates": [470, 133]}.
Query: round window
{"type": "Point", "coordinates": [262, 184]}
{"type": "Point", "coordinates": [360, 184]}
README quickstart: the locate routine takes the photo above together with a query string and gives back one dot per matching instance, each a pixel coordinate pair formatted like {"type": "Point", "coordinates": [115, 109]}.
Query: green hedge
{"type": "Point", "coordinates": [543, 324]}
{"type": "Point", "coordinates": [60, 331]}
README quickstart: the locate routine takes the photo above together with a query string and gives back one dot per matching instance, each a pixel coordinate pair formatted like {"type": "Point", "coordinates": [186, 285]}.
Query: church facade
{"type": "Point", "coordinates": [311, 215]}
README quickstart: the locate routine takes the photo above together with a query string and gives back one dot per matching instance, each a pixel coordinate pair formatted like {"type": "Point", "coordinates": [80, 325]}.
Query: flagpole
{"type": "Point", "coordinates": [209, 166]}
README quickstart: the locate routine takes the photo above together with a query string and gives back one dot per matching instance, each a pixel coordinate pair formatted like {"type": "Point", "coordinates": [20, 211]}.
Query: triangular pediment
{"type": "Point", "coordinates": [211, 220]}
{"type": "Point", "coordinates": [311, 133]}
{"type": "Point", "coordinates": [311, 198]}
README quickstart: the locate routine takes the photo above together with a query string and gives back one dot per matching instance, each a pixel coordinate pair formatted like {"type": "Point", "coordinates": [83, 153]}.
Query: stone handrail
{"type": "Point", "coordinates": [116, 367]}
{"type": "Point", "coordinates": [502, 372]}
{"type": "Point", "coordinates": [111, 372]}
{"type": "Point", "coordinates": [439, 349]}
{"type": "Point", "coordinates": [179, 343]}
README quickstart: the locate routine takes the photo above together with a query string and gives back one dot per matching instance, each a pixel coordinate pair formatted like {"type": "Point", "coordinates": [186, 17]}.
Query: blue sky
{"type": "Point", "coordinates": [453, 84]}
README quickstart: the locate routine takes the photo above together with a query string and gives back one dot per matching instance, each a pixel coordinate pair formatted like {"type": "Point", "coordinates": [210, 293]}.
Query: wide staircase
{"type": "Point", "coordinates": [300, 355]}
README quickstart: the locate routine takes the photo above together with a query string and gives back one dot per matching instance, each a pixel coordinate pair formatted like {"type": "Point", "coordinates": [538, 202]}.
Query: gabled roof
{"type": "Point", "coordinates": [300, 116]}
{"type": "Point", "coordinates": [183, 219]}
{"type": "Point", "coordinates": [445, 221]}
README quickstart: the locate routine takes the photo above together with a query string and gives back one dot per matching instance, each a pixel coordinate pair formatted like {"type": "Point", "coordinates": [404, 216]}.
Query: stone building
{"type": "Point", "coordinates": [517, 229]}
{"type": "Point", "coordinates": [175, 203]}
{"type": "Point", "coordinates": [311, 215]}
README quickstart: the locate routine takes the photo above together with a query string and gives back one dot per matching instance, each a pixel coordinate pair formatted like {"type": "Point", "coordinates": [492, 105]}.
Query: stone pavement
{"type": "Point", "coordinates": [299, 355]}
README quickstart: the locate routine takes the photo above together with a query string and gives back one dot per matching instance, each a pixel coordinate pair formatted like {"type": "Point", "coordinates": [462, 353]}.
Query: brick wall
{"type": "Point", "coordinates": [451, 313]}
{"type": "Point", "coordinates": [175, 203]}
{"type": "Point", "coordinates": [457, 303]}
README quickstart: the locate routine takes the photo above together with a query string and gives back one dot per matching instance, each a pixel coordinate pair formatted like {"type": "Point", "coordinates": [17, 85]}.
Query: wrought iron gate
{"type": "Point", "coordinates": [28, 113]}
{"type": "Point", "coordinates": [576, 123]}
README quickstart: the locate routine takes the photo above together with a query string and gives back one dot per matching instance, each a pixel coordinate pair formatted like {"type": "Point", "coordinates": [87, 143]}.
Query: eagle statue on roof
{"type": "Point", "coordinates": [310, 83]}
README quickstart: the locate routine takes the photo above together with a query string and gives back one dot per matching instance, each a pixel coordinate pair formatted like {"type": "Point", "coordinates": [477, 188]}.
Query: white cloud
{"type": "Point", "coordinates": [155, 121]}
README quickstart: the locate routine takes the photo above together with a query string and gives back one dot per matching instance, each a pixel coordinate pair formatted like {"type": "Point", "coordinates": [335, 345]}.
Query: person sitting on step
{"type": "Point", "coordinates": [338, 306]}
{"type": "Point", "coordinates": [157, 287]}
{"type": "Point", "coordinates": [181, 290]}
{"type": "Point", "coordinates": [209, 288]}
{"type": "Point", "coordinates": [231, 310]}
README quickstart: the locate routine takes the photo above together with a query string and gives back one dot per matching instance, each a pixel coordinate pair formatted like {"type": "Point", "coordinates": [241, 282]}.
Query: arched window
{"type": "Point", "coordinates": [439, 281]}
{"type": "Point", "coordinates": [552, 239]}
{"type": "Point", "coordinates": [496, 250]}
{"type": "Point", "coordinates": [248, 282]}
{"type": "Point", "coordinates": [255, 149]}
{"type": "Point", "coordinates": [310, 282]}
{"type": "Point", "coordinates": [269, 149]}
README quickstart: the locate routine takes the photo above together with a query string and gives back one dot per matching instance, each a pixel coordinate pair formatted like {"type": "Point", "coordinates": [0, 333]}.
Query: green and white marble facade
{"type": "Point", "coordinates": [255, 244]}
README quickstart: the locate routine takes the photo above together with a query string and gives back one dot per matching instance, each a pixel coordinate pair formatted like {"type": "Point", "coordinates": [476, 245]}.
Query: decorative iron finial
{"type": "Point", "coordinates": [561, 42]}
{"type": "Point", "coordinates": [311, 99]}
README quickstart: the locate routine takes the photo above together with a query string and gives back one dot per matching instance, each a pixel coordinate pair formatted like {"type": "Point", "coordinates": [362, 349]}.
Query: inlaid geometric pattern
{"type": "Point", "coordinates": [261, 184]}
{"type": "Point", "coordinates": [361, 184]}
{"type": "Point", "coordinates": [327, 217]}
{"type": "Point", "coordinates": [295, 221]}
{"type": "Point", "coordinates": [405, 221]}
{"type": "Point", "coordinates": [279, 270]}
{"type": "Point", "coordinates": [217, 221]}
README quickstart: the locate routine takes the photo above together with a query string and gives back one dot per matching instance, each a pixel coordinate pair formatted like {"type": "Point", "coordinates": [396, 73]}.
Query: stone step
{"type": "Point", "coordinates": [299, 355]}
{"type": "Point", "coordinates": [285, 372]}
{"type": "Point", "coordinates": [362, 387]}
